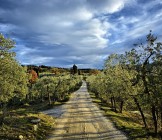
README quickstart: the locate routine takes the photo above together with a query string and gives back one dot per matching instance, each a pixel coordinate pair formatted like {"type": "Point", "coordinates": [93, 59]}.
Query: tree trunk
{"type": "Point", "coordinates": [30, 92]}
{"type": "Point", "coordinates": [157, 114]}
{"type": "Point", "coordinates": [49, 98]}
{"type": "Point", "coordinates": [141, 112]}
{"type": "Point", "coordinates": [41, 97]}
{"type": "Point", "coordinates": [121, 106]}
{"type": "Point", "coordinates": [4, 113]}
{"type": "Point", "coordinates": [27, 97]}
{"type": "Point", "coordinates": [114, 104]}
{"type": "Point", "coordinates": [161, 119]}
{"type": "Point", "coordinates": [154, 117]}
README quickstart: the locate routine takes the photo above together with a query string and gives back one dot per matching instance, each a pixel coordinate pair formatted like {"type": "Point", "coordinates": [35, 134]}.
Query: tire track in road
{"type": "Point", "coordinates": [81, 119]}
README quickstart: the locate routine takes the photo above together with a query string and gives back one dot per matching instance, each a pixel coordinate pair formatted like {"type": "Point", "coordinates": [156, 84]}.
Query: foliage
{"type": "Point", "coordinates": [94, 71]}
{"type": "Point", "coordinates": [55, 88]}
{"type": "Point", "coordinates": [12, 75]}
{"type": "Point", "coordinates": [135, 76]}
{"type": "Point", "coordinates": [32, 76]}
{"type": "Point", "coordinates": [75, 69]}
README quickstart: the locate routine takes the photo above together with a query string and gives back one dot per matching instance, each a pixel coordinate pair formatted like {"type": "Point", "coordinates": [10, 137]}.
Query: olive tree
{"type": "Point", "coordinates": [13, 78]}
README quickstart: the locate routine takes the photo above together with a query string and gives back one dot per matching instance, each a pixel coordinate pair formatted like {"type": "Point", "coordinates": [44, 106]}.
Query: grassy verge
{"type": "Point", "coordinates": [18, 123]}
{"type": "Point", "coordinates": [129, 122]}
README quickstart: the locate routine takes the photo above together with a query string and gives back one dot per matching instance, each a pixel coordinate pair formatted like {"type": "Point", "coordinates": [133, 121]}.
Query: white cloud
{"type": "Point", "coordinates": [106, 6]}
{"type": "Point", "coordinates": [65, 31]}
{"type": "Point", "coordinates": [134, 27]}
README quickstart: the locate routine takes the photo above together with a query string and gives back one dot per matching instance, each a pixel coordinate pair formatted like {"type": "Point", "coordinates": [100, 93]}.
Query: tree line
{"type": "Point", "coordinates": [133, 80]}
{"type": "Point", "coordinates": [20, 85]}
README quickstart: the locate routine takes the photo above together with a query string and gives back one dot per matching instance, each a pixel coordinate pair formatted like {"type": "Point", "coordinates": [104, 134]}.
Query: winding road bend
{"type": "Point", "coordinates": [81, 119]}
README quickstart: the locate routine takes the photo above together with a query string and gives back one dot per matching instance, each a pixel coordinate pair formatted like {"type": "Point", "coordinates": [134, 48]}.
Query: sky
{"type": "Point", "coordinates": [61, 33]}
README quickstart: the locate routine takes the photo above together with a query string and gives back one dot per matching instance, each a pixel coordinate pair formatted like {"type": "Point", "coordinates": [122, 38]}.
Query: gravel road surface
{"type": "Point", "coordinates": [81, 119]}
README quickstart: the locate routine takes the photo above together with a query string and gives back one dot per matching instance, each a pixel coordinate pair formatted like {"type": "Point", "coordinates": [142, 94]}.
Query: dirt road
{"type": "Point", "coordinates": [80, 119]}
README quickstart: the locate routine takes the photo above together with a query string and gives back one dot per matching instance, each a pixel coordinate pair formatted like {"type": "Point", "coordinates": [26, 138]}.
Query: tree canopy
{"type": "Point", "coordinates": [13, 78]}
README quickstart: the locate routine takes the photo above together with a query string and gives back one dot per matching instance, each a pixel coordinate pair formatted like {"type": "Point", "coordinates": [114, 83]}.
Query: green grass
{"type": "Point", "coordinates": [128, 122]}
{"type": "Point", "coordinates": [17, 123]}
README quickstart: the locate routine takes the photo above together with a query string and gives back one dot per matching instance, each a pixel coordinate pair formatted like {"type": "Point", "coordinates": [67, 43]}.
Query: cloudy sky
{"type": "Point", "coordinates": [82, 32]}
